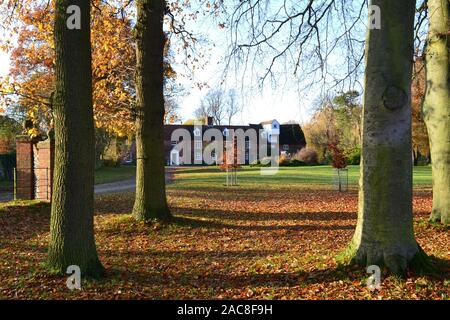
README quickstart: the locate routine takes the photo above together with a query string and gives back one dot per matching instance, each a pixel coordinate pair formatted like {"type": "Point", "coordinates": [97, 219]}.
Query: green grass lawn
{"type": "Point", "coordinates": [102, 175]}
{"type": "Point", "coordinates": [199, 177]}
{"type": "Point", "coordinates": [112, 174]}
{"type": "Point", "coordinates": [320, 177]}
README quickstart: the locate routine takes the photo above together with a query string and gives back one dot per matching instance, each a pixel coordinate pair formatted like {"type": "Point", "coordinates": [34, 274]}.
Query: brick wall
{"type": "Point", "coordinates": [24, 169]}
{"type": "Point", "coordinates": [4, 146]}
{"type": "Point", "coordinates": [34, 168]}
{"type": "Point", "coordinates": [43, 153]}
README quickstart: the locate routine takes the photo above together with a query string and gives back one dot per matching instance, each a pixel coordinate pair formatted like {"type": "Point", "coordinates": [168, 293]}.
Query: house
{"type": "Point", "coordinates": [291, 139]}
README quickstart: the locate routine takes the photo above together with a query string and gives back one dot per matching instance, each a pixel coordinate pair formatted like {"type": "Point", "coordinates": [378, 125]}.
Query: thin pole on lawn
{"type": "Point", "coordinates": [15, 184]}
{"type": "Point", "coordinates": [227, 175]}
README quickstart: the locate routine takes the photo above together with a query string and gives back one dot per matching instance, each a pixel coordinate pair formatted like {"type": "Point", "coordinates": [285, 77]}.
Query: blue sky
{"type": "Point", "coordinates": [281, 100]}
{"type": "Point", "coordinates": [285, 99]}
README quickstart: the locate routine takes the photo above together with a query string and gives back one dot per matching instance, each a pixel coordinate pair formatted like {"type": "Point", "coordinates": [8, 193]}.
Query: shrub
{"type": "Point", "coordinates": [339, 159]}
{"type": "Point", "coordinates": [297, 163]}
{"type": "Point", "coordinates": [110, 163]}
{"type": "Point", "coordinates": [257, 164]}
{"type": "Point", "coordinates": [284, 161]}
{"type": "Point", "coordinates": [307, 156]}
{"type": "Point", "coordinates": [354, 156]}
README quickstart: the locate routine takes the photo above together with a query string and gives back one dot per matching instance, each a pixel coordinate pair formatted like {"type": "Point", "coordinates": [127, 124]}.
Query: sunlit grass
{"type": "Point", "coordinates": [290, 177]}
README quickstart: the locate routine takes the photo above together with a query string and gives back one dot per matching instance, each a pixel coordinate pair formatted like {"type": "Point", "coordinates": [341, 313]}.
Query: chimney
{"type": "Point", "coordinates": [209, 121]}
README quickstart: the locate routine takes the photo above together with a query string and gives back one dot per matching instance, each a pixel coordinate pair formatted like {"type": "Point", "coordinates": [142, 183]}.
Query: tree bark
{"type": "Point", "coordinates": [72, 227]}
{"type": "Point", "coordinates": [150, 202]}
{"type": "Point", "coordinates": [384, 234]}
{"type": "Point", "coordinates": [436, 107]}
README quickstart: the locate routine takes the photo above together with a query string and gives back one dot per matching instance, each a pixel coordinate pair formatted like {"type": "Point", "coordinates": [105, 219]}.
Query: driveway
{"type": "Point", "coordinates": [117, 186]}
{"type": "Point", "coordinates": [112, 187]}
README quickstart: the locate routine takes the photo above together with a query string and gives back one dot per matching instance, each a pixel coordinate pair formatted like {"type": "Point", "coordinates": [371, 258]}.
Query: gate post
{"type": "Point", "coordinates": [43, 162]}
{"type": "Point", "coordinates": [24, 168]}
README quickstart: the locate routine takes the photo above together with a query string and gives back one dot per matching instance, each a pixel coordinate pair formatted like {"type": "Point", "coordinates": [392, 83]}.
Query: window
{"type": "Point", "coordinates": [246, 156]}
{"type": "Point", "coordinates": [198, 144]}
{"type": "Point", "coordinates": [247, 144]}
{"type": "Point", "coordinates": [198, 155]}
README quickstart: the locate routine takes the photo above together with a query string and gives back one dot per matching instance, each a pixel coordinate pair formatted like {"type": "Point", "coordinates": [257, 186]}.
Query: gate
{"type": "Point", "coordinates": [7, 163]}
{"type": "Point", "coordinates": [32, 183]}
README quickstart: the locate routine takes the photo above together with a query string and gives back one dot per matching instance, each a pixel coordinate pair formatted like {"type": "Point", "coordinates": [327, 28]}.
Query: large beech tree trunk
{"type": "Point", "coordinates": [71, 228]}
{"type": "Point", "coordinates": [384, 234]}
{"type": "Point", "coordinates": [150, 202]}
{"type": "Point", "coordinates": [436, 107]}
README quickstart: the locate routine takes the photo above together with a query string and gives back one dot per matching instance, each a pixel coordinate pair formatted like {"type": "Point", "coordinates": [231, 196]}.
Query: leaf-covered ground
{"type": "Point", "coordinates": [247, 242]}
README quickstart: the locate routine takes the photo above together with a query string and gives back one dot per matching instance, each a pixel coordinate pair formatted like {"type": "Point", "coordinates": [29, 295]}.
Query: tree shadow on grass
{"type": "Point", "coordinates": [265, 216]}
{"type": "Point", "coordinates": [212, 224]}
{"type": "Point", "coordinates": [228, 280]}
{"type": "Point", "coordinates": [258, 191]}
{"type": "Point", "coordinates": [190, 254]}
{"type": "Point", "coordinates": [23, 221]}
{"type": "Point", "coordinates": [281, 193]}
{"type": "Point", "coordinates": [116, 203]}
{"type": "Point", "coordinates": [207, 277]}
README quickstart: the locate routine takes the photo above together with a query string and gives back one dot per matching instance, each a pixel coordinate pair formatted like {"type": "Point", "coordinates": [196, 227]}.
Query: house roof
{"type": "Point", "coordinates": [268, 122]}
{"type": "Point", "coordinates": [292, 134]}
{"type": "Point", "coordinates": [168, 129]}
{"type": "Point", "coordinates": [289, 133]}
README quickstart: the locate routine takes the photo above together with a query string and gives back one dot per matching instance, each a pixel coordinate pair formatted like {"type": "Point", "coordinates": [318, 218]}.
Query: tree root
{"type": "Point", "coordinates": [396, 263]}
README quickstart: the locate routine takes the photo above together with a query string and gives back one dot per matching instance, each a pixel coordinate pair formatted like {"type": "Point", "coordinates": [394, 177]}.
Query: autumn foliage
{"type": "Point", "coordinates": [230, 160]}
{"type": "Point", "coordinates": [338, 158]}
{"type": "Point", "coordinates": [32, 67]}
{"type": "Point", "coordinates": [245, 243]}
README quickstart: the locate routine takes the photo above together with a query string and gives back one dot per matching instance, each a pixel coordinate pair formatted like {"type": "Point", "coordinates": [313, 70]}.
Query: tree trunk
{"type": "Point", "coordinates": [384, 234]}
{"type": "Point", "coordinates": [150, 202]}
{"type": "Point", "coordinates": [436, 107]}
{"type": "Point", "coordinates": [72, 227]}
